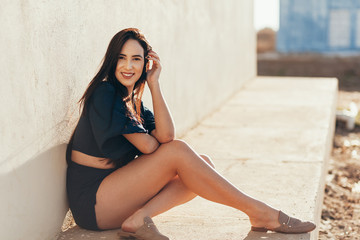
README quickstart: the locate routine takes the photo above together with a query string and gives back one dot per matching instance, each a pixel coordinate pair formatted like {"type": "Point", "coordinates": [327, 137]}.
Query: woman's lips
{"type": "Point", "coordinates": [127, 75]}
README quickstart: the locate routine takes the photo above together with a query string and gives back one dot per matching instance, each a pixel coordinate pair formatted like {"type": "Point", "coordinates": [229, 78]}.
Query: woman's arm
{"type": "Point", "coordinates": [165, 130]}
{"type": "Point", "coordinates": [144, 142]}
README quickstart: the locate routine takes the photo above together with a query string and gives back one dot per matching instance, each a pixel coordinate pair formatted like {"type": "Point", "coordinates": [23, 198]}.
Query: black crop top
{"type": "Point", "coordinates": [99, 131]}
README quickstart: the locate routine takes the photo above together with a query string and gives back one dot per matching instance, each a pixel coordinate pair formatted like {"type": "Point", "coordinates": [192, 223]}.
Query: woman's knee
{"type": "Point", "coordinates": [176, 146]}
{"type": "Point", "coordinates": [208, 160]}
{"type": "Point", "coordinates": [173, 150]}
{"type": "Point", "coordinates": [177, 150]}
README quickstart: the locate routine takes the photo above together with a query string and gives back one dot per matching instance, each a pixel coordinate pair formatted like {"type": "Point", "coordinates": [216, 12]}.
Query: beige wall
{"type": "Point", "coordinates": [50, 51]}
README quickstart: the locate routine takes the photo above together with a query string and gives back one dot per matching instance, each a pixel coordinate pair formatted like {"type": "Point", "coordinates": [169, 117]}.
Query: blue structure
{"type": "Point", "coordinates": [323, 26]}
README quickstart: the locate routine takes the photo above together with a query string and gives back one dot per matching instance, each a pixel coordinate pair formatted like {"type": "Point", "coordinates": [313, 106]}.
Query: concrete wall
{"type": "Point", "coordinates": [51, 50]}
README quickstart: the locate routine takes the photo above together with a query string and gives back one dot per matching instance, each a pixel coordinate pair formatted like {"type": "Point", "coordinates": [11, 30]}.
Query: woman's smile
{"type": "Point", "coordinates": [127, 75]}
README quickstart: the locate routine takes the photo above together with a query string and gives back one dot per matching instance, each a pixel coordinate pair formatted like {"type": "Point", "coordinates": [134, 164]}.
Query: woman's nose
{"type": "Point", "coordinates": [128, 64]}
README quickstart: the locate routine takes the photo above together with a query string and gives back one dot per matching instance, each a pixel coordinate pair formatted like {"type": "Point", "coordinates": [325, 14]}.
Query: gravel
{"type": "Point", "coordinates": [341, 208]}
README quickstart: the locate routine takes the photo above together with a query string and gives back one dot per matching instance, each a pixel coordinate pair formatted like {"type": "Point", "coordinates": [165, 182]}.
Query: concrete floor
{"type": "Point", "coordinates": [272, 140]}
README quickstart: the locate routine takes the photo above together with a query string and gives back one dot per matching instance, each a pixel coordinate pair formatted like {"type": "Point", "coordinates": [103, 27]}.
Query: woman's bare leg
{"type": "Point", "coordinates": [173, 194]}
{"type": "Point", "coordinates": [131, 187]}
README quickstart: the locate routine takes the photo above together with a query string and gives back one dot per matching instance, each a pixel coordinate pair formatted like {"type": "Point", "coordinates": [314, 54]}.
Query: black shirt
{"type": "Point", "coordinates": [100, 130]}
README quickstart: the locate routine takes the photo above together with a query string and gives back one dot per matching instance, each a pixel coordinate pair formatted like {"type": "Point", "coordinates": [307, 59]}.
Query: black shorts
{"type": "Point", "coordinates": [82, 183]}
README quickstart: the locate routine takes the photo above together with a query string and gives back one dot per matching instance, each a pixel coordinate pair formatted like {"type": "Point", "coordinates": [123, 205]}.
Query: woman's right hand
{"type": "Point", "coordinates": [153, 74]}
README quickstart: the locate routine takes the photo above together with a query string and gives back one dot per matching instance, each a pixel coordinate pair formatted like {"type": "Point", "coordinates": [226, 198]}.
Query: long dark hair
{"type": "Point", "coordinates": [107, 73]}
{"type": "Point", "coordinates": [108, 67]}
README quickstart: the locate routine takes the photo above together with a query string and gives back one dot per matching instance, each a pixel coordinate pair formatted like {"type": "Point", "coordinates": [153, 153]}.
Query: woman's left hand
{"type": "Point", "coordinates": [152, 75]}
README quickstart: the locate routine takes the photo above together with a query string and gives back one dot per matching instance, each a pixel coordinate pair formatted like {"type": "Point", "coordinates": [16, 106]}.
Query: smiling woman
{"type": "Point", "coordinates": [124, 163]}
{"type": "Point", "coordinates": [130, 64]}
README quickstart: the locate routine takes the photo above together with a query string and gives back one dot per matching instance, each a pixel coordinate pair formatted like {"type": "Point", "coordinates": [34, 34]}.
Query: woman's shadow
{"type": "Point", "coordinates": [276, 236]}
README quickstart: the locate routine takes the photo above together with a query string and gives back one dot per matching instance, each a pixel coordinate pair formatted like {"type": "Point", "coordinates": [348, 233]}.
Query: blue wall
{"type": "Point", "coordinates": [305, 25]}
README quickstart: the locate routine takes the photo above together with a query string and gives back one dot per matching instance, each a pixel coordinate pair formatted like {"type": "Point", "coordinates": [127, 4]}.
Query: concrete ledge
{"type": "Point", "coordinates": [273, 141]}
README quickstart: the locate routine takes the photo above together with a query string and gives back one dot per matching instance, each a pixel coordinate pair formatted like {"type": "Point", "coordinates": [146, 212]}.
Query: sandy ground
{"type": "Point", "coordinates": [341, 210]}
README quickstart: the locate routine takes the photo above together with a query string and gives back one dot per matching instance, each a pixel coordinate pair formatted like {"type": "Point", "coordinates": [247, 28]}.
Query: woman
{"type": "Point", "coordinates": [124, 165]}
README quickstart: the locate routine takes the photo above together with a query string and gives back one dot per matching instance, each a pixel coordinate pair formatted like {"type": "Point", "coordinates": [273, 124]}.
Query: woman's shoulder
{"type": "Point", "coordinates": [103, 95]}
{"type": "Point", "coordinates": [104, 87]}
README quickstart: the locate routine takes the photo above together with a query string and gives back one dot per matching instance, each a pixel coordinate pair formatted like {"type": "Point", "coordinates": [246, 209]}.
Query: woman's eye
{"type": "Point", "coordinates": [121, 57]}
{"type": "Point", "coordinates": [137, 59]}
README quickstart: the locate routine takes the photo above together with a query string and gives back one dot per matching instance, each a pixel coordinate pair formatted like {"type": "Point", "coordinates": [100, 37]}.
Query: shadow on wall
{"type": "Point", "coordinates": [34, 197]}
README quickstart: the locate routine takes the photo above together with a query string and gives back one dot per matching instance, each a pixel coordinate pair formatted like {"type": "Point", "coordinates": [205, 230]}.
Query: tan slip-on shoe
{"type": "Point", "coordinates": [288, 225]}
{"type": "Point", "coordinates": [148, 231]}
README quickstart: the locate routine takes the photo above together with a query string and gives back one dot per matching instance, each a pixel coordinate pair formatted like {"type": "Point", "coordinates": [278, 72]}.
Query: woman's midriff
{"type": "Point", "coordinates": [90, 161]}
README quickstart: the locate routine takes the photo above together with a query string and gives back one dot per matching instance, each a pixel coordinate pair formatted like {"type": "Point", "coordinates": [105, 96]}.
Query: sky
{"type": "Point", "coordinates": [266, 14]}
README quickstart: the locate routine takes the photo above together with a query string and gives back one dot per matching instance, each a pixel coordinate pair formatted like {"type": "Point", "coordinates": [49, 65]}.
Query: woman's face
{"type": "Point", "coordinates": [130, 64]}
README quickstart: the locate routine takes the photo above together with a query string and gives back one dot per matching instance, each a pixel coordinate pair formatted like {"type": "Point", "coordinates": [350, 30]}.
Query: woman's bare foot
{"type": "Point", "coordinates": [134, 222]}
